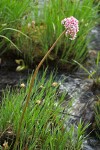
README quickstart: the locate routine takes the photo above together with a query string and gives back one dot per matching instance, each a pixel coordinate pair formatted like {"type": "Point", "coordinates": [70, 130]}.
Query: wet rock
{"type": "Point", "coordinates": [87, 84]}
{"type": "Point", "coordinates": [11, 79]}
{"type": "Point", "coordinates": [87, 95]}
{"type": "Point", "coordinates": [95, 39]}
{"type": "Point", "coordinates": [87, 147]}
{"type": "Point", "coordinates": [81, 90]}
{"type": "Point", "coordinates": [91, 144]}
{"type": "Point", "coordinates": [84, 99]}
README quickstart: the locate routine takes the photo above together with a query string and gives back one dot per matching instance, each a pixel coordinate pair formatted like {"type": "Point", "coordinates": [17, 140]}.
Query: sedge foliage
{"type": "Point", "coordinates": [44, 127]}
{"type": "Point", "coordinates": [50, 28]}
{"type": "Point", "coordinates": [42, 22]}
{"type": "Point", "coordinates": [11, 14]}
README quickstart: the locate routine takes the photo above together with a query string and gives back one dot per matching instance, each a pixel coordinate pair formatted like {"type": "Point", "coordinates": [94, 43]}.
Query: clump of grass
{"type": "Point", "coordinates": [47, 18]}
{"type": "Point", "coordinates": [9, 13]}
{"type": "Point", "coordinates": [11, 16]}
{"type": "Point", "coordinates": [8, 40]}
{"type": "Point", "coordinates": [44, 125]}
{"type": "Point", "coordinates": [53, 12]}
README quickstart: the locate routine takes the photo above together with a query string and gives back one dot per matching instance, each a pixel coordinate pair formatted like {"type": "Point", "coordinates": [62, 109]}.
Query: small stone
{"type": "Point", "coordinates": [88, 84]}
{"type": "Point", "coordinates": [92, 53]}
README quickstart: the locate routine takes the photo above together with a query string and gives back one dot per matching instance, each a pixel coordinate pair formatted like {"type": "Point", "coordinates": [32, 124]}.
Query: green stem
{"type": "Point", "coordinates": [31, 86]}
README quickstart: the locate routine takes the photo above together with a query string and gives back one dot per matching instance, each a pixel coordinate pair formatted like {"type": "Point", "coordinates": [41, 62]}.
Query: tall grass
{"type": "Point", "coordinates": [50, 28]}
{"type": "Point", "coordinates": [12, 11]}
{"type": "Point", "coordinates": [47, 28]}
{"type": "Point", "coordinates": [11, 16]}
{"type": "Point", "coordinates": [44, 126]}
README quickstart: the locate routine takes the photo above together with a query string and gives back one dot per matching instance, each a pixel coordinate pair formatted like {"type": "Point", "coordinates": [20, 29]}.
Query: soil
{"type": "Point", "coordinates": [9, 76]}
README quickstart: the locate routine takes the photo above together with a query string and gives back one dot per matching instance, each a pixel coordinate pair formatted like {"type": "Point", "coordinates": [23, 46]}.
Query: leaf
{"type": "Point", "coordinates": [10, 42]}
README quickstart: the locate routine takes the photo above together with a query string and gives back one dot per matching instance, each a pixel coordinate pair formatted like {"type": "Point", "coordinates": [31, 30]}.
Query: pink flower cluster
{"type": "Point", "coordinates": [71, 26]}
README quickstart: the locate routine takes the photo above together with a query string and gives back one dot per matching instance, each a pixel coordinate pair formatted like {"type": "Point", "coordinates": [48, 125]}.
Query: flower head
{"type": "Point", "coordinates": [71, 26]}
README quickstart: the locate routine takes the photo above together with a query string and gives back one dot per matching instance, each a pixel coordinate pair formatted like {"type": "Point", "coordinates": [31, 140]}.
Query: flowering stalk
{"type": "Point", "coordinates": [71, 26]}
{"type": "Point", "coordinates": [32, 83]}
{"type": "Point", "coordinates": [36, 71]}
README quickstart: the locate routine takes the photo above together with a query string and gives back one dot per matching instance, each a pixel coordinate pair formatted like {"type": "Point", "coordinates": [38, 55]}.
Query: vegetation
{"type": "Point", "coordinates": [97, 118]}
{"type": "Point", "coordinates": [44, 125]}
{"type": "Point", "coordinates": [28, 30]}
{"type": "Point", "coordinates": [84, 12]}
{"type": "Point", "coordinates": [94, 72]}
{"type": "Point", "coordinates": [11, 17]}
{"type": "Point", "coordinates": [43, 25]}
